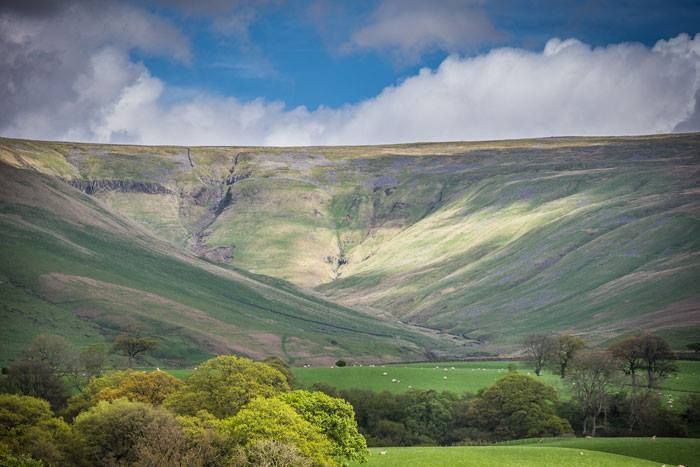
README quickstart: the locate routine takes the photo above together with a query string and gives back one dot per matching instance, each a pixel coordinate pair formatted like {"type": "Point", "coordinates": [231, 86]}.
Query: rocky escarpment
{"type": "Point", "coordinates": [125, 186]}
{"type": "Point", "coordinates": [218, 196]}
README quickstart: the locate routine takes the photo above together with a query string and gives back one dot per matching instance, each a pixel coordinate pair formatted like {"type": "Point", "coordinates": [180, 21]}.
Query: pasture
{"type": "Point", "coordinates": [500, 456]}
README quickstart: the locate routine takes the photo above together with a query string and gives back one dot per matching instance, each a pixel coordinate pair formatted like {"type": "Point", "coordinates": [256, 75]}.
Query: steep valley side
{"type": "Point", "coordinates": [488, 240]}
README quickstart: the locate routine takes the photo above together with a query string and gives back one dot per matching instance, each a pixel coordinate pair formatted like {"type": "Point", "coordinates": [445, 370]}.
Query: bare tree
{"type": "Point", "coordinates": [565, 348]}
{"type": "Point", "coordinates": [592, 378]}
{"type": "Point", "coordinates": [538, 348]}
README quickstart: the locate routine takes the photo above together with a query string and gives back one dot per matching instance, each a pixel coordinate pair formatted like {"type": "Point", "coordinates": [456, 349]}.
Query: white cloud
{"type": "Point", "coordinates": [409, 28]}
{"type": "Point", "coordinates": [568, 88]}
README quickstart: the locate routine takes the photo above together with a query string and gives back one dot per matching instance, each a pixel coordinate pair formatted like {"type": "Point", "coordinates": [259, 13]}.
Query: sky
{"type": "Point", "coordinates": [329, 72]}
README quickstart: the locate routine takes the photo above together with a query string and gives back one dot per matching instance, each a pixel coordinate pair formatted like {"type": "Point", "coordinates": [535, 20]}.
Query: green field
{"type": "Point", "coordinates": [460, 377]}
{"type": "Point", "coordinates": [500, 456]}
{"type": "Point", "coordinates": [457, 377]}
{"type": "Point", "coordinates": [677, 451]}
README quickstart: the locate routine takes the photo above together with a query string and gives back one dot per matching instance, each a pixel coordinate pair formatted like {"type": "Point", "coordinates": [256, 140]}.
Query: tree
{"type": "Point", "coordinates": [336, 419]}
{"type": "Point", "coordinates": [28, 426]}
{"type": "Point", "coordinates": [645, 352]}
{"type": "Point", "coordinates": [695, 347]}
{"type": "Point", "coordinates": [132, 346]}
{"type": "Point", "coordinates": [628, 354]}
{"type": "Point", "coordinates": [657, 357]}
{"type": "Point", "coordinates": [592, 377]}
{"type": "Point", "coordinates": [538, 348]}
{"type": "Point", "coordinates": [140, 386]}
{"type": "Point", "coordinates": [224, 384]}
{"type": "Point", "coordinates": [278, 364]}
{"type": "Point", "coordinates": [113, 431]}
{"type": "Point", "coordinates": [36, 378]}
{"type": "Point", "coordinates": [92, 359]}
{"type": "Point", "coordinates": [516, 406]}
{"type": "Point", "coordinates": [565, 347]}
{"type": "Point", "coordinates": [53, 351]}
{"type": "Point", "coordinates": [272, 419]}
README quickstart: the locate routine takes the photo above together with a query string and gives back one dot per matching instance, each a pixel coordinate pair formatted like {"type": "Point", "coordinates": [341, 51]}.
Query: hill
{"type": "Point", "coordinates": [72, 267]}
{"type": "Point", "coordinates": [598, 236]}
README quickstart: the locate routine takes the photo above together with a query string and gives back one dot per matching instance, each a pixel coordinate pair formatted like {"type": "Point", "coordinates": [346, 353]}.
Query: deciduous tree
{"type": "Point", "coordinates": [564, 349]}
{"type": "Point", "coordinates": [224, 384]}
{"type": "Point", "coordinates": [133, 345]}
{"type": "Point", "coordinates": [592, 378]}
{"type": "Point", "coordinates": [335, 418]}
{"type": "Point", "coordinates": [538, 348]}
{"type": "Point", "coordinates": [516, 406]}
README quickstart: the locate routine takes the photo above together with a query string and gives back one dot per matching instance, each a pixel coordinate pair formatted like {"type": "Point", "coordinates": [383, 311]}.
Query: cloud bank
{"type": "Point", "coordinates": [71, 77]}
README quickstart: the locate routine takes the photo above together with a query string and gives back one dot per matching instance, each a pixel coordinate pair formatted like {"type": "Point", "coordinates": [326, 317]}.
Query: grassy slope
{"type": "Point", "coordinates": [70, 266]}
{"type": "Point", "coordinates": [598, 236]}
{"type": "Point", "coordinates": [499, 456]}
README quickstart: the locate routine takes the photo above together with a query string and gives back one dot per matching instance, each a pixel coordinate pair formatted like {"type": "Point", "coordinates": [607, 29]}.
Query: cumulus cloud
{"type": "Point", "coordinates": [410, 28]}
{"type": "Point", "coordinates": [568, 88]}
{"type": "Point", "coordinates": [61, 67]}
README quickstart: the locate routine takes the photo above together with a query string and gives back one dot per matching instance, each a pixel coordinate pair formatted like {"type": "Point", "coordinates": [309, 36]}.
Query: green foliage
{"type": "Point", "coordinates": [263, 419]}
{"type": "Point", "coordinates": [27, 426]}
{"type": "Point", "coordinates": [335, 418]}
{"type": "Point", "coordinates": [112, 431]}
{"type": "Point", "coordinates": [152, 387]}
{"type": "Point", "coordinates": [565, 348]}
{"type": "Point", "coordinates": [279, 364]}
{"type": "Point", "coordinates": [38, 379]}
{"type": "Point", "coordinates": [224, 384]}
{"type": "Point", "coordinates": [341, 363]}
{"type": "Point", "coordinates": [517, 406]}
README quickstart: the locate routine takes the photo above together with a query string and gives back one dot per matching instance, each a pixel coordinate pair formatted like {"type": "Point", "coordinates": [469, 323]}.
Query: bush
{"type": "Point", "coordinates": [341, 363]}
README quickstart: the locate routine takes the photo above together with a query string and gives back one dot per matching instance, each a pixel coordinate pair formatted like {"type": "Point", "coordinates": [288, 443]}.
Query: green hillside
{"type": "Point", "coordinates": [489, 241]}
{"type": "Point", "coordinates": [71, 267]}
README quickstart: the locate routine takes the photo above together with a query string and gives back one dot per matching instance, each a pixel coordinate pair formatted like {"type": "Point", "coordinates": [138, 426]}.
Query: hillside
{"type": "Point", "coordinates": [71, 267]}
{"type": "Point", "coordinates": [487, 240]}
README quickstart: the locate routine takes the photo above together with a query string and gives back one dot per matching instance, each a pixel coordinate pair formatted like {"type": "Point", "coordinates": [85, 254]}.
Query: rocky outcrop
{"type": "Point", "coordinates": [125, 186]}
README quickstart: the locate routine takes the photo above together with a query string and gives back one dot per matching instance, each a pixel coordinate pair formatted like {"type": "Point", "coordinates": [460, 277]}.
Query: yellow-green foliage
{"type": "Point", "coordinates": [263, 419]}
{"type": "Point", "coordinates": [224, 384]}
{"type": "Point", "coordinates": [28, 426]}
{"type": "Point", "coordinates": [336, 419]}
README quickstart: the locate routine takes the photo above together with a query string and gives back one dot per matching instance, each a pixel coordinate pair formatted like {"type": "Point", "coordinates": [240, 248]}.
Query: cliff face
{"type": "Point", "coordinates": [92, 187]}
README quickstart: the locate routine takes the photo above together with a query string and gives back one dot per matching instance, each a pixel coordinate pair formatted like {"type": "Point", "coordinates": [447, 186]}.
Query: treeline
{"type": "Point", "coordinates": [230, 411]}
{"type": "Point", "coordinates": [612, 394]}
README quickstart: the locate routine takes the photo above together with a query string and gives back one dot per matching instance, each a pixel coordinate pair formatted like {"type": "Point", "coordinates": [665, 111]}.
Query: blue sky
{"type": "Point", "coordinates": [292, 56]}
{"type": "Point", "coordinates": [332, 71]}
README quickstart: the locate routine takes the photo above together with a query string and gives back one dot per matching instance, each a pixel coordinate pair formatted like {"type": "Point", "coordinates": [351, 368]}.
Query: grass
{"type": "Point", "coordinates": [597, 236]}
{"type": "Point", "coordinates": [71, 267]}
{"type": "Point", "coordinates": [457, 377]}
{"type": "Point", "coordinates": [500, 456]}
{"type": "Point", "coordinates": [461, 377]}
{"type": "Point", "coordinates": [675, 451]}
